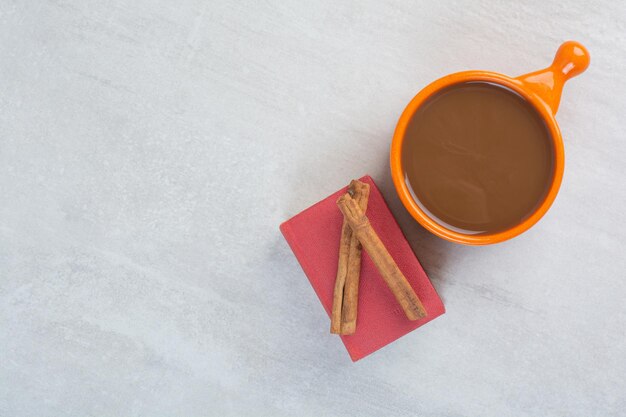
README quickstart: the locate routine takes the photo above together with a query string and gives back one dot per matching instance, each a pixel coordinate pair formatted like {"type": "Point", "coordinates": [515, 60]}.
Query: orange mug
{"type": "Point", "coordinates": [542, 89]}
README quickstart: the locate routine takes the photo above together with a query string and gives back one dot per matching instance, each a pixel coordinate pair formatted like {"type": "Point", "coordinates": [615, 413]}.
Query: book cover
{"type": "Point", "coordinates": [313, 236]}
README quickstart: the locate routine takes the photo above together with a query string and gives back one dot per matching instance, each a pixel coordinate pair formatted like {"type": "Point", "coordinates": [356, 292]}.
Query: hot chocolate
{"type": "Point", "coordinates": [478, 157]}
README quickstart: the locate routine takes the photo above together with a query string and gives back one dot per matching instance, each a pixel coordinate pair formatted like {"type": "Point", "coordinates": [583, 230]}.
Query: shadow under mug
{"type": "Point", "coordinates": [542, 89]}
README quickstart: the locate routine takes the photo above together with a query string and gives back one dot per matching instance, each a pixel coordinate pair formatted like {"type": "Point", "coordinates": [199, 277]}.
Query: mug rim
{"type": "Point", "coordinates": [397, 170]}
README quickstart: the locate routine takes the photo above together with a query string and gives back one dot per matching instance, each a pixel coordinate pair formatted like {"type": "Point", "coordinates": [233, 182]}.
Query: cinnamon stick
{"type": "Point", "coordinates": [346, 293]}
{"type": "Point", "coordinates": [361, 193]}
{"type": "Point", "coordinates": [340, 280]}
{"type": "Point", "coordinates": [396, 281]}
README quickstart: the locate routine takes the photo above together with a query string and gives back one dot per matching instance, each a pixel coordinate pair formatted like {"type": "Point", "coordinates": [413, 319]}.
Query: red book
{"type": "Point", "coordinates": [313, 236]}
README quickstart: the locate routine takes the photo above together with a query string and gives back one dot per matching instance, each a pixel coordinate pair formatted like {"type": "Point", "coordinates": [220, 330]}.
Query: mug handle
{"type": "Point", "coordinates": [571, 59]}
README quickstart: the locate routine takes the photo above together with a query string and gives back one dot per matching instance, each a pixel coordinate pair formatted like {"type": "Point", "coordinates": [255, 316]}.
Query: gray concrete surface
{"type": "Point", "coordinates": [150, 149]}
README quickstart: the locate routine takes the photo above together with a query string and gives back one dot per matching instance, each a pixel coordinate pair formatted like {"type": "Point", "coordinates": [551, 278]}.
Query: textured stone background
{"type": "Point", "coordinates": [150, 149]}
